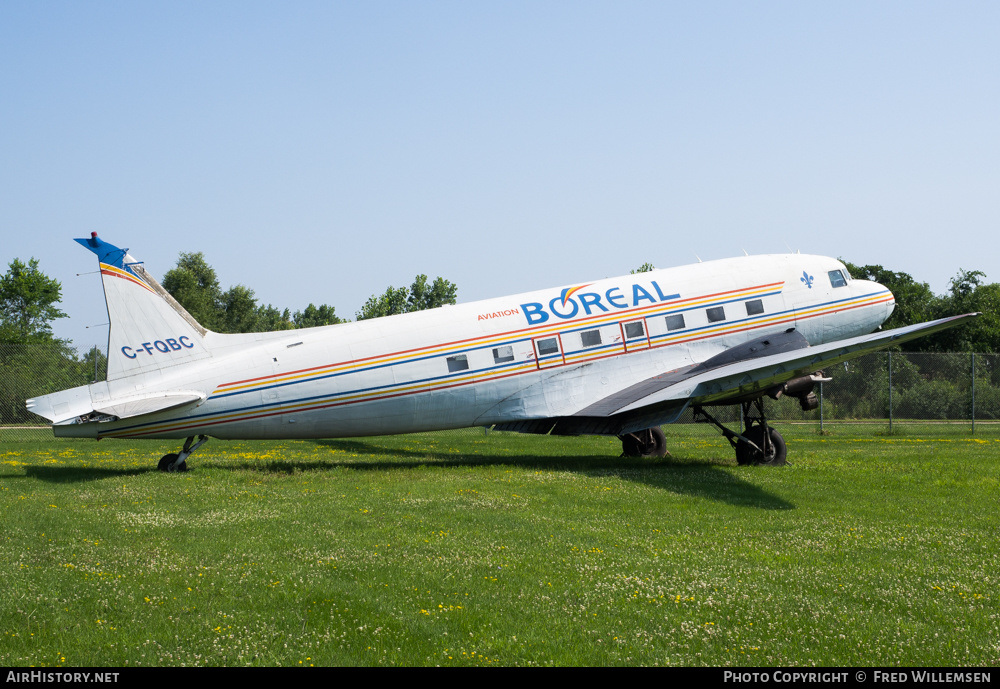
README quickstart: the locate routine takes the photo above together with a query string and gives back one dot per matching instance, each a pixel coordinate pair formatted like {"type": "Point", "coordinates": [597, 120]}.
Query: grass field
{"type": "Point", "coordinates": [470, 549]}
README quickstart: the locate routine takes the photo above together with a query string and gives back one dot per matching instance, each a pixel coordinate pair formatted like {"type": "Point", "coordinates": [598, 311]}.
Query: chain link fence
{"type": "Point", "coordinates": [29, 370]}
{"type": "Point", "coordinates": [889, 388]}
{"type": "Point", "coordinates": [893, 388]}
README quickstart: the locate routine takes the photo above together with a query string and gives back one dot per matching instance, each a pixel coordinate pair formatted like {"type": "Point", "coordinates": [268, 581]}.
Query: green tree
{"type": "Point", "coordinates": [424, 296]}
{"type": "Point", "coordinates": [419, 296]}
{"type": "Point", "coordinates": [28, 301]}
{"type": "Point", "coordinates": [969, 293]}
{"type": "Point", "coordinates": [915, 303]}
{"type": "Point", "coordinates": [95, 364]}
{"type": "Point", "coordinates": [271, 318]}
{"type": "Point", "coordinates": [314, 316]}
{"type": "Point", "coordinates": [644, 268]}
{"type": "Point", "coordinates": [239, 310]}
{"type": "Point", "coordinates": [33, 361]}
{"type": "Point", "coordinates": [195, 286]}
{"type": "Point", "coordinates": [390, 303]}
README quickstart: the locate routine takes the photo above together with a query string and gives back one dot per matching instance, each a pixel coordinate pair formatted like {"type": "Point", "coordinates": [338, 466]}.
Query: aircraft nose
{"type": "Point", "coordinates": [884, 297]}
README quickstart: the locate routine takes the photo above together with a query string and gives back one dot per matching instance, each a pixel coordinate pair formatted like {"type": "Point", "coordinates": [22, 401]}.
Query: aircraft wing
{"type": "Point", "coordinates": [736, 375]}
{"type": "Point", "coordinates": [744, 378]}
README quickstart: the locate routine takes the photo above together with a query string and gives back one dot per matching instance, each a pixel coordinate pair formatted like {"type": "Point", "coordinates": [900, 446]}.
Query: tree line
{"type": "Point", "coordinates": [968, 292]}
{"type": "Point", "coordinates": [195, 285]}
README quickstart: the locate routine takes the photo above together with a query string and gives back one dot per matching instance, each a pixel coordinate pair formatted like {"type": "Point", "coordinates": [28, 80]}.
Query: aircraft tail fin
{"type": "Point", "coordinates": [150, 331]}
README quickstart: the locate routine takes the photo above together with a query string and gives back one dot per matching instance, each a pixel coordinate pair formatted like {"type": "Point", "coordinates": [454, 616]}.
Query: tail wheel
{"type": "Point", "coordinates": [169, 463]}
{"type": "Point", "coordinates": [650, 442]}
{"type": "Point", "coordinates": [774, 450]}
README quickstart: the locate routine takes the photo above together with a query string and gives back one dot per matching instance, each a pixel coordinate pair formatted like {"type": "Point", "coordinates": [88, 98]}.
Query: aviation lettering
{"type": "Point", "coordinates": [497, 314]}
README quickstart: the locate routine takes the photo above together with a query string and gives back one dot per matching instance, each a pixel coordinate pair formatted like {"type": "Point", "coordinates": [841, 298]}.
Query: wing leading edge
{"type": "Point", "coordinates": [721, 380]}
{"type": "Point", "coordinates": [731, 382]}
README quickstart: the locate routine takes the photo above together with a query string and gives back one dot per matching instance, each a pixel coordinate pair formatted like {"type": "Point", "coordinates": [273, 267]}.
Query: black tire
{"type": "Point", "coordinates": [167, 463]}
{"type": "Point", "coordinates": [649, 442]}
{"type": "Point", "coordinates": [747, 455]}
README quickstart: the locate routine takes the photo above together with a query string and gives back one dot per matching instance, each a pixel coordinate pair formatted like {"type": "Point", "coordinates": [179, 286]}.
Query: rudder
{"type": "Point", "coordinates": [149, 329]}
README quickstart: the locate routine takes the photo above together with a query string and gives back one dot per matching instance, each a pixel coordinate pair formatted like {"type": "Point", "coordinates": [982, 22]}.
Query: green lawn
{"type": "Point", "coordinates": [467, 549]}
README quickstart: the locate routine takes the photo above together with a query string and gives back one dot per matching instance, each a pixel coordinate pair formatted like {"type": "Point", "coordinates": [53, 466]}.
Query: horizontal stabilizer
{"type": "Point", "coordinates": [147, 404]}
{"type": "Point", "coordinates": [70, 405]}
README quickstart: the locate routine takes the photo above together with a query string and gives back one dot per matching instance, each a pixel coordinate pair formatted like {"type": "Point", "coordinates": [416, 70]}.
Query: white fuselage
{"type": "Point", "coordinates": [530, 356]}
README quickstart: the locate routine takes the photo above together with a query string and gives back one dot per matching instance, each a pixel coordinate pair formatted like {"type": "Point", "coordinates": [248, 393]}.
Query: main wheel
{"type": "Point", "coordinates": [775, 451]}
{"type": "Point", "coordinates": [650, 442]}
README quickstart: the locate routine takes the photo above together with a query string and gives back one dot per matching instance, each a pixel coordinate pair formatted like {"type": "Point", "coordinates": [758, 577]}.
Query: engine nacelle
{"type": "Point", "coordinates": [801, 388]}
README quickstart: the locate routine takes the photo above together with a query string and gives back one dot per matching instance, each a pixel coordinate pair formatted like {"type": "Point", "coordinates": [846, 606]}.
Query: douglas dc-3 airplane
{"type": "Point", "coordinates": [619, 357]}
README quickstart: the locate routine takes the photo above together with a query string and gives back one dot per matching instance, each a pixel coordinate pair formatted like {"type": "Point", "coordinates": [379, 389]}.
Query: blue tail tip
{"type": "Point", "coordinates": [106, 253]}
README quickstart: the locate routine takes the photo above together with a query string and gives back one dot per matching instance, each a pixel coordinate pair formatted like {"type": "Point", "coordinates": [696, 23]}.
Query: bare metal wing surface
{"type": "Point", "coordinates": [735, 381]}
{"type": "Point", "coordinates": [617, 356]}
{"type": "Point", "coordinates": [738, 375]}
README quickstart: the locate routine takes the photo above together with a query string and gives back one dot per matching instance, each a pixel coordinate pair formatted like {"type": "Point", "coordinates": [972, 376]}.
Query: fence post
{"type": "Point", "coordinates": [973, 393]}
{"type": "Point", "coordinates": [821, 408]}
{"type": "Point", "coordinates": [890, 392]}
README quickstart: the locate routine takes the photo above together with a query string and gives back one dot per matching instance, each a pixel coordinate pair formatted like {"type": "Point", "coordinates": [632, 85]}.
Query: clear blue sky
{"type": "Point", "coordinates": [320, 151]}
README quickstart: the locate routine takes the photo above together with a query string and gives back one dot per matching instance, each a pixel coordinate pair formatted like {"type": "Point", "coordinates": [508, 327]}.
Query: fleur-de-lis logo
{"type": "Point", "coordinates": [807, 279]}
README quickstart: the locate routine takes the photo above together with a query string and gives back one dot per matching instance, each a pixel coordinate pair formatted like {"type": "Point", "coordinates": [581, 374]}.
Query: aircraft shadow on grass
{"type": "Point", "coordinates": [695, 478]}
{"type": "Point", "coordinates": [701, 478]}
{"type": "Point", "coordinates": [78, 474]}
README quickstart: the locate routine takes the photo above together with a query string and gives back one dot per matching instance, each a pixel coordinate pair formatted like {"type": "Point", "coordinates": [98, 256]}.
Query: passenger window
{"type": "Point", "coordinates": [716, 314]}
{"type": "Point", "coordinates": [675, 322]}
{"type": "Point", "coordinates": [837, 278]}
{"type": "Point", "coordinates": [591, 338]}
{"type": "Point", "coordinates": [502, 354]}
{"type": "Point", "coordinates": [754, 307]}
{"type": "Point", "coordinates": [458, 363]}
{"type": "Point", "coordinates": [634, 330]}
{"type": "Point", "coordinates": [548, 346]}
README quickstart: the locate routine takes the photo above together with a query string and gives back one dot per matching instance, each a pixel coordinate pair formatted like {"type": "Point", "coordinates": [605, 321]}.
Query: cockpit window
{"type": "Point", "coordinates": [837, 278]}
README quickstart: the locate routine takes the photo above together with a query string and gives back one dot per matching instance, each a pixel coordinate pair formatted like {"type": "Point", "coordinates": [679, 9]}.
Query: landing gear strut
{"type": "Point", "coordinates": [178, 461]}
{"type": "Point", "coordinates": [759, 444]}
{"type": "Point", "coordinates": [649, 442]}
